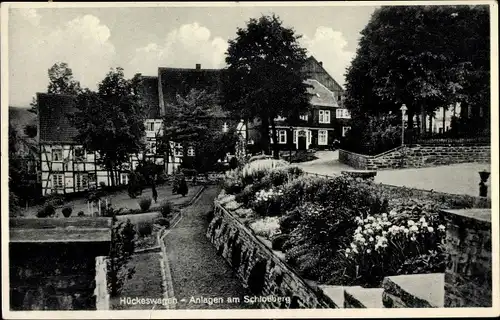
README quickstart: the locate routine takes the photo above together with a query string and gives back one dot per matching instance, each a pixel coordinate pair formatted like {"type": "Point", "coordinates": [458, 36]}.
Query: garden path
{"type": "Point", "coordinates": [196, 268]}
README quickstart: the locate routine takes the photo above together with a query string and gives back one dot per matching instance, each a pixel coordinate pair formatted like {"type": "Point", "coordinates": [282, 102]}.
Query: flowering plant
{"type": "Point", "coordinates": [267, 227]}
{"type": "Point", "coordinates": [381, 244]}
{"type": "Point", "coordinates": [267, 202]}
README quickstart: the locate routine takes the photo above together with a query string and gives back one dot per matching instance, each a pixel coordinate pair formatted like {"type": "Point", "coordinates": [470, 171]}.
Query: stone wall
{"type": "Point", "coordinates": [259, 267]}
{"type": "Point", "coordinates": [468, 277]}
{"type": "Point", "coordinates": [417, 157]}
{"type": "Point", "coordinates": [53, 276]}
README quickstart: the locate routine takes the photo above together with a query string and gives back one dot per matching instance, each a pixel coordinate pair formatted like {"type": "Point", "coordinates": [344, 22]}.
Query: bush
{"type": "Point", "coordinates": [66, 211]}
{"type": "Point", "coordinates": [47, 211]}
{"type": "Point", "coordinates": [81, 213]}
{"type": "Point", "coordinates": [266, 227]}
{"type": "Point", "coordinates": [55, 200]}
{"type": "Point", "coordinates": [279, 240]}
{"type": "Point", "coordinates": [233, 163]}
{"type": "Point", "coordinates": [102, 184]}
{"type": "Point", "coordinates": [166, 209]}
{"type": "Point", "coordinates": [145, 203]}
{"type": "Point", "coordinates": [183, 187]}
{"type": "Point", "coordinates": [245, 196]}
{"type": "Point", "coordinates": [144, 229]}
{"type": "Point", "coordinates": [162, 222]}
{"type": "Point", "coordinates": [300, 190]}
{"type": "Point", "coordinates": [189, 172]}
{"type": "Point", "coordinates": [267, 202]}
{"type": "Point", "coordinates": [256, 170]}
{"type": "Point", "coordinates": [121, 250]}
{"type": "Point", "coordinates": [135, 184]}
{"type": "Point", "coordinates": [232, 183]}
{"type": "Point", "coordinates": [161, 178]}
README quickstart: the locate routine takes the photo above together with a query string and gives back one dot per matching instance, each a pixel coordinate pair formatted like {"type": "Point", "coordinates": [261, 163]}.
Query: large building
{"type": "Point", "coordinates": [66, 167]}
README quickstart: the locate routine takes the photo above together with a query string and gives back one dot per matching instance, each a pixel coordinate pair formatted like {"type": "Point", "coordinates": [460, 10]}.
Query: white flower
{"type": "Point", "coordinates": [413, 228]}
{"type": "Point", "coordinates": [406, 230]}
{"type": "Point", "coordinates": [424, 224]}
{"type": "Point", "coordinates": [413, 238]}
{"type": "Point", "coordinates": [371, 239]}
{"type": "Point", "coordinates": [430, 229]}
{"type": "Point", "coordinates": [348, 250]}
{"type": "Point", "coordinates": [393, 212]}
{"type": "Point", "coordinates": [353, 246]}
{"type": "Point", "coordinates": [422, 219]}
{"type": "Point", "coordinates": [441, 227]}
{"type": "Point", "coordinates": [368, 251]}
{"type": "Point", "coordinates": [411, 222]}
{"type": "Point", "coordinates": [384, 215]}
{"type": "Point", "coordinates": [384, 233]}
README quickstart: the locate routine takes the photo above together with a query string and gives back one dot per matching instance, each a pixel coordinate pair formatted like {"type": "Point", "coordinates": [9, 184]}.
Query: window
{"type": "Point", "coordinates": [339, 98]}
{"type": "Point", "coordinates": [324, 116]}
{"type": "Point", "coordinates": [282, 136]}
{"type": "Point", "coordinates": [79, 154]}
{"type": "Point", "coordinates": [322, 137]}
{"type": "Point", "coordinates": [190, 152]}
{"type": "Point", "coordinates": [225, 127]}
{"type": "Point", "coordinates": [57, 181]}
{"type": "Point", "coordinates": [178, 150]}
{"type": "Point", "coordinates": [304, 117]}
{"type": "Point", "coordinates": [343, 114]}
{"type": "Point", "coordinates": [150, 126]}
{"type": "Point", "coordinates": [57, 155]}
{"type": "Point", "coordinates": [123, 178]}
{"type": "Point", "coordinates": [81, 181]}
{"type": "Point", "coordinates": [250, 141]}
{"type": "Point", "coordinates": [151, 146]}
{"type": "Point", "coordinates": [345, 130]}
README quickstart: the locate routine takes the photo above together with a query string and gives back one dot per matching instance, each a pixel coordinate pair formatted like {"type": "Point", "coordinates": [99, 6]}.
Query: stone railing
{"type": "Point", "coordinates": [417, 156]}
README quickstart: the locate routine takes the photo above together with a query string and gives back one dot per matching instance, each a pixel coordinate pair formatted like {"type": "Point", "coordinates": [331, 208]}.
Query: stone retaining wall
{"type": "Point", "coordinates": [468, 277]}
{"type": "Point", "coordinates": [417, 157]}
{"type": "Point", "coordinates": [259, 267]}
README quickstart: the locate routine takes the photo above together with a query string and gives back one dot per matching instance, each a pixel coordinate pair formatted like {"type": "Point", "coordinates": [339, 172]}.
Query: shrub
{"type": "Point", "coordinates": [189, 172]}
{"type": "Point", "coordinates": [145, 203]}
{"type": "Point", "coordinates": [121, 250]}
{"type": "Point", "coordinates": [183, 187]}
{"type": "Point", "coordinates": [161, 178]}
{"type": "Point", "coordinates": [102, 184]}
{"type": "Point", "coordinates": [135, 184]}
{"type": "Point", "coordinates": [47, 211]}
{"type": "Point", "coordinates": [55, 200]}
{"type": "Point", "coordinates": [162, 222]}
{"type": "Point", "coordinates": [300, 190]}
{"type": "Point", "coordinates": [166, 209]}
{"type": "Point", "coordinates": [266, 227]}
{"type": "Point", "coordinates": [232, 183]}
{"type": "Point", "coordinates": [386, 244]}
{"type": "Point", "coordinates": [267, 202]}
{"type": "Point", "coordinates": [256, 170]}
{"type": "Point", "coordinates": [66, 211]}
{"type": "Point", "coordinates": [144, 229]}
{"type": "Point", "coordinates": [245, 196]}
{"type": "Point", "coordinates": [321, 231]}
{"type": "Point", "coordinates": [233, 163]}
{"type": "Point", "coordinates": [279, 240]}
{"type": "Point", "coordinates": [81, 213]}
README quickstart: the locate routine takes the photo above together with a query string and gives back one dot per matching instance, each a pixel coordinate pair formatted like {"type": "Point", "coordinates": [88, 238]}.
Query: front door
{"type": "Point", "coordinates": [302, 140]}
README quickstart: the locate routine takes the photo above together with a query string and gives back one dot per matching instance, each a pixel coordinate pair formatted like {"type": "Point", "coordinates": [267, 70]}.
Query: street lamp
{"type": "Point", "coordinates": [403, 110]}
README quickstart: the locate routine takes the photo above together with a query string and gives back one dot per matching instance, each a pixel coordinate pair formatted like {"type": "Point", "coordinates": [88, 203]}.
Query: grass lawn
{"type": "Point", "coordinates": [145, 283]}
{"type": "Point", "coordinates": [121, 199]}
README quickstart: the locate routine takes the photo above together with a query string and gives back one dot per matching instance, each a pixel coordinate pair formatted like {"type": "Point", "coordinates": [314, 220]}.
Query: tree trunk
{"type": "Point", "coordinates": [264, 139]}
{"type": "Point", "coordinates": [424, 119]}
{"type": "Point", "coordinates": [111, 169]}
{"type": "Point", "coordinates": [276, 151]}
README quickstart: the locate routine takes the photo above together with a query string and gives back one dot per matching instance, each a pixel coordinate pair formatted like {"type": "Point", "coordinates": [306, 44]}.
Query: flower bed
{"type": "Point", "coordinates": [340, 231]}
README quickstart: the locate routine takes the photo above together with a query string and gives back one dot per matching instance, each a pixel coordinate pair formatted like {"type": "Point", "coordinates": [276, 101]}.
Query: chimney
{"type": "Point", "coordinates": [321, 63]}
{"type": "Point", "coordinates": [198, 66]}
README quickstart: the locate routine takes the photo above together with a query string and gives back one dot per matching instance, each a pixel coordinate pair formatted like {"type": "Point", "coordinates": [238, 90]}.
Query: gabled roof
{"type": "Point", "coordinates": [311, 62]}
{"type": "Point", "coordinates": [54, 124]}
{"type": "Point", "coordinates": [321, 95]}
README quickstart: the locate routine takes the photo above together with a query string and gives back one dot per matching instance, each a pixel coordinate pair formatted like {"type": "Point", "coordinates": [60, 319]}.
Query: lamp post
{"type": "Point", "coordinates": [403, 110]}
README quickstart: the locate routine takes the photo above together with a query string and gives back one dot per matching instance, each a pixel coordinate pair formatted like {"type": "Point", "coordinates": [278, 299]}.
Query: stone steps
{"type": "Point", "coordinates": [414, 291]}
{"type": "Point", "coordinates": [336, 293]}
{"type": "Point", "coordinates": [356, 297]}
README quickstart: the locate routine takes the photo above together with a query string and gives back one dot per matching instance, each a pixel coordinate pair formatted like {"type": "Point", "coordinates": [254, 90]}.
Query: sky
{"type": "Point", "coordinates": [93, 40]}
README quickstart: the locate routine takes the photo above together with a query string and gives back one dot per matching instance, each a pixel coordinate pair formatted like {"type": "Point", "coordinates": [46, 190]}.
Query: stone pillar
{"type": "Point", "coordinates": [101, 283]}
{"type": "Point", "coordinates": [468, 274]}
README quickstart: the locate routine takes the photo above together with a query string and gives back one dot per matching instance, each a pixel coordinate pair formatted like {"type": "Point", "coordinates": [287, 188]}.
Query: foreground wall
{"type": "Point", "coordinates": [259, 267]}
{"type": "Point", "coordinates": [417, 157]}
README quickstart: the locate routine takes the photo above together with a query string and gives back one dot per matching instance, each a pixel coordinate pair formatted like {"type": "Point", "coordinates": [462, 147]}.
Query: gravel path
{"type": "Point", "coordinates": [197, 271]}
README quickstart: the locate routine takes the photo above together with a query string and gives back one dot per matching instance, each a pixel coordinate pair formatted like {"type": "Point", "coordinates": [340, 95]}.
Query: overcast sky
{"type": "Point", "coordinates": [92, 40]}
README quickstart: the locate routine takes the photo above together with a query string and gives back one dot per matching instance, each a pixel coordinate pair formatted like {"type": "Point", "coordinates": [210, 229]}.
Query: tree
{"type": "Point", "coordinates": [61, 81]}
{"type": "Point", "coordinates": [110, 121]}
{"type": "Point", "coordinates": [191, 122]}
{"type": "Point", "coordinates": [423, 56]}
{"type": "Point", "coordinates": [264, 79]}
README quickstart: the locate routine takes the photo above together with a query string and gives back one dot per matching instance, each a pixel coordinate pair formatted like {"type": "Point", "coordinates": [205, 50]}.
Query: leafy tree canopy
{"type": "Point", "coordinates": [110, 121]}
{"type": "Point", "coordinates": [264, 77]}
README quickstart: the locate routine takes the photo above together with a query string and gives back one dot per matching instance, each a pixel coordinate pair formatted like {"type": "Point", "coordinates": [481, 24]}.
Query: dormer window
{"type": "Point", "coordinates": [225, 127]}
